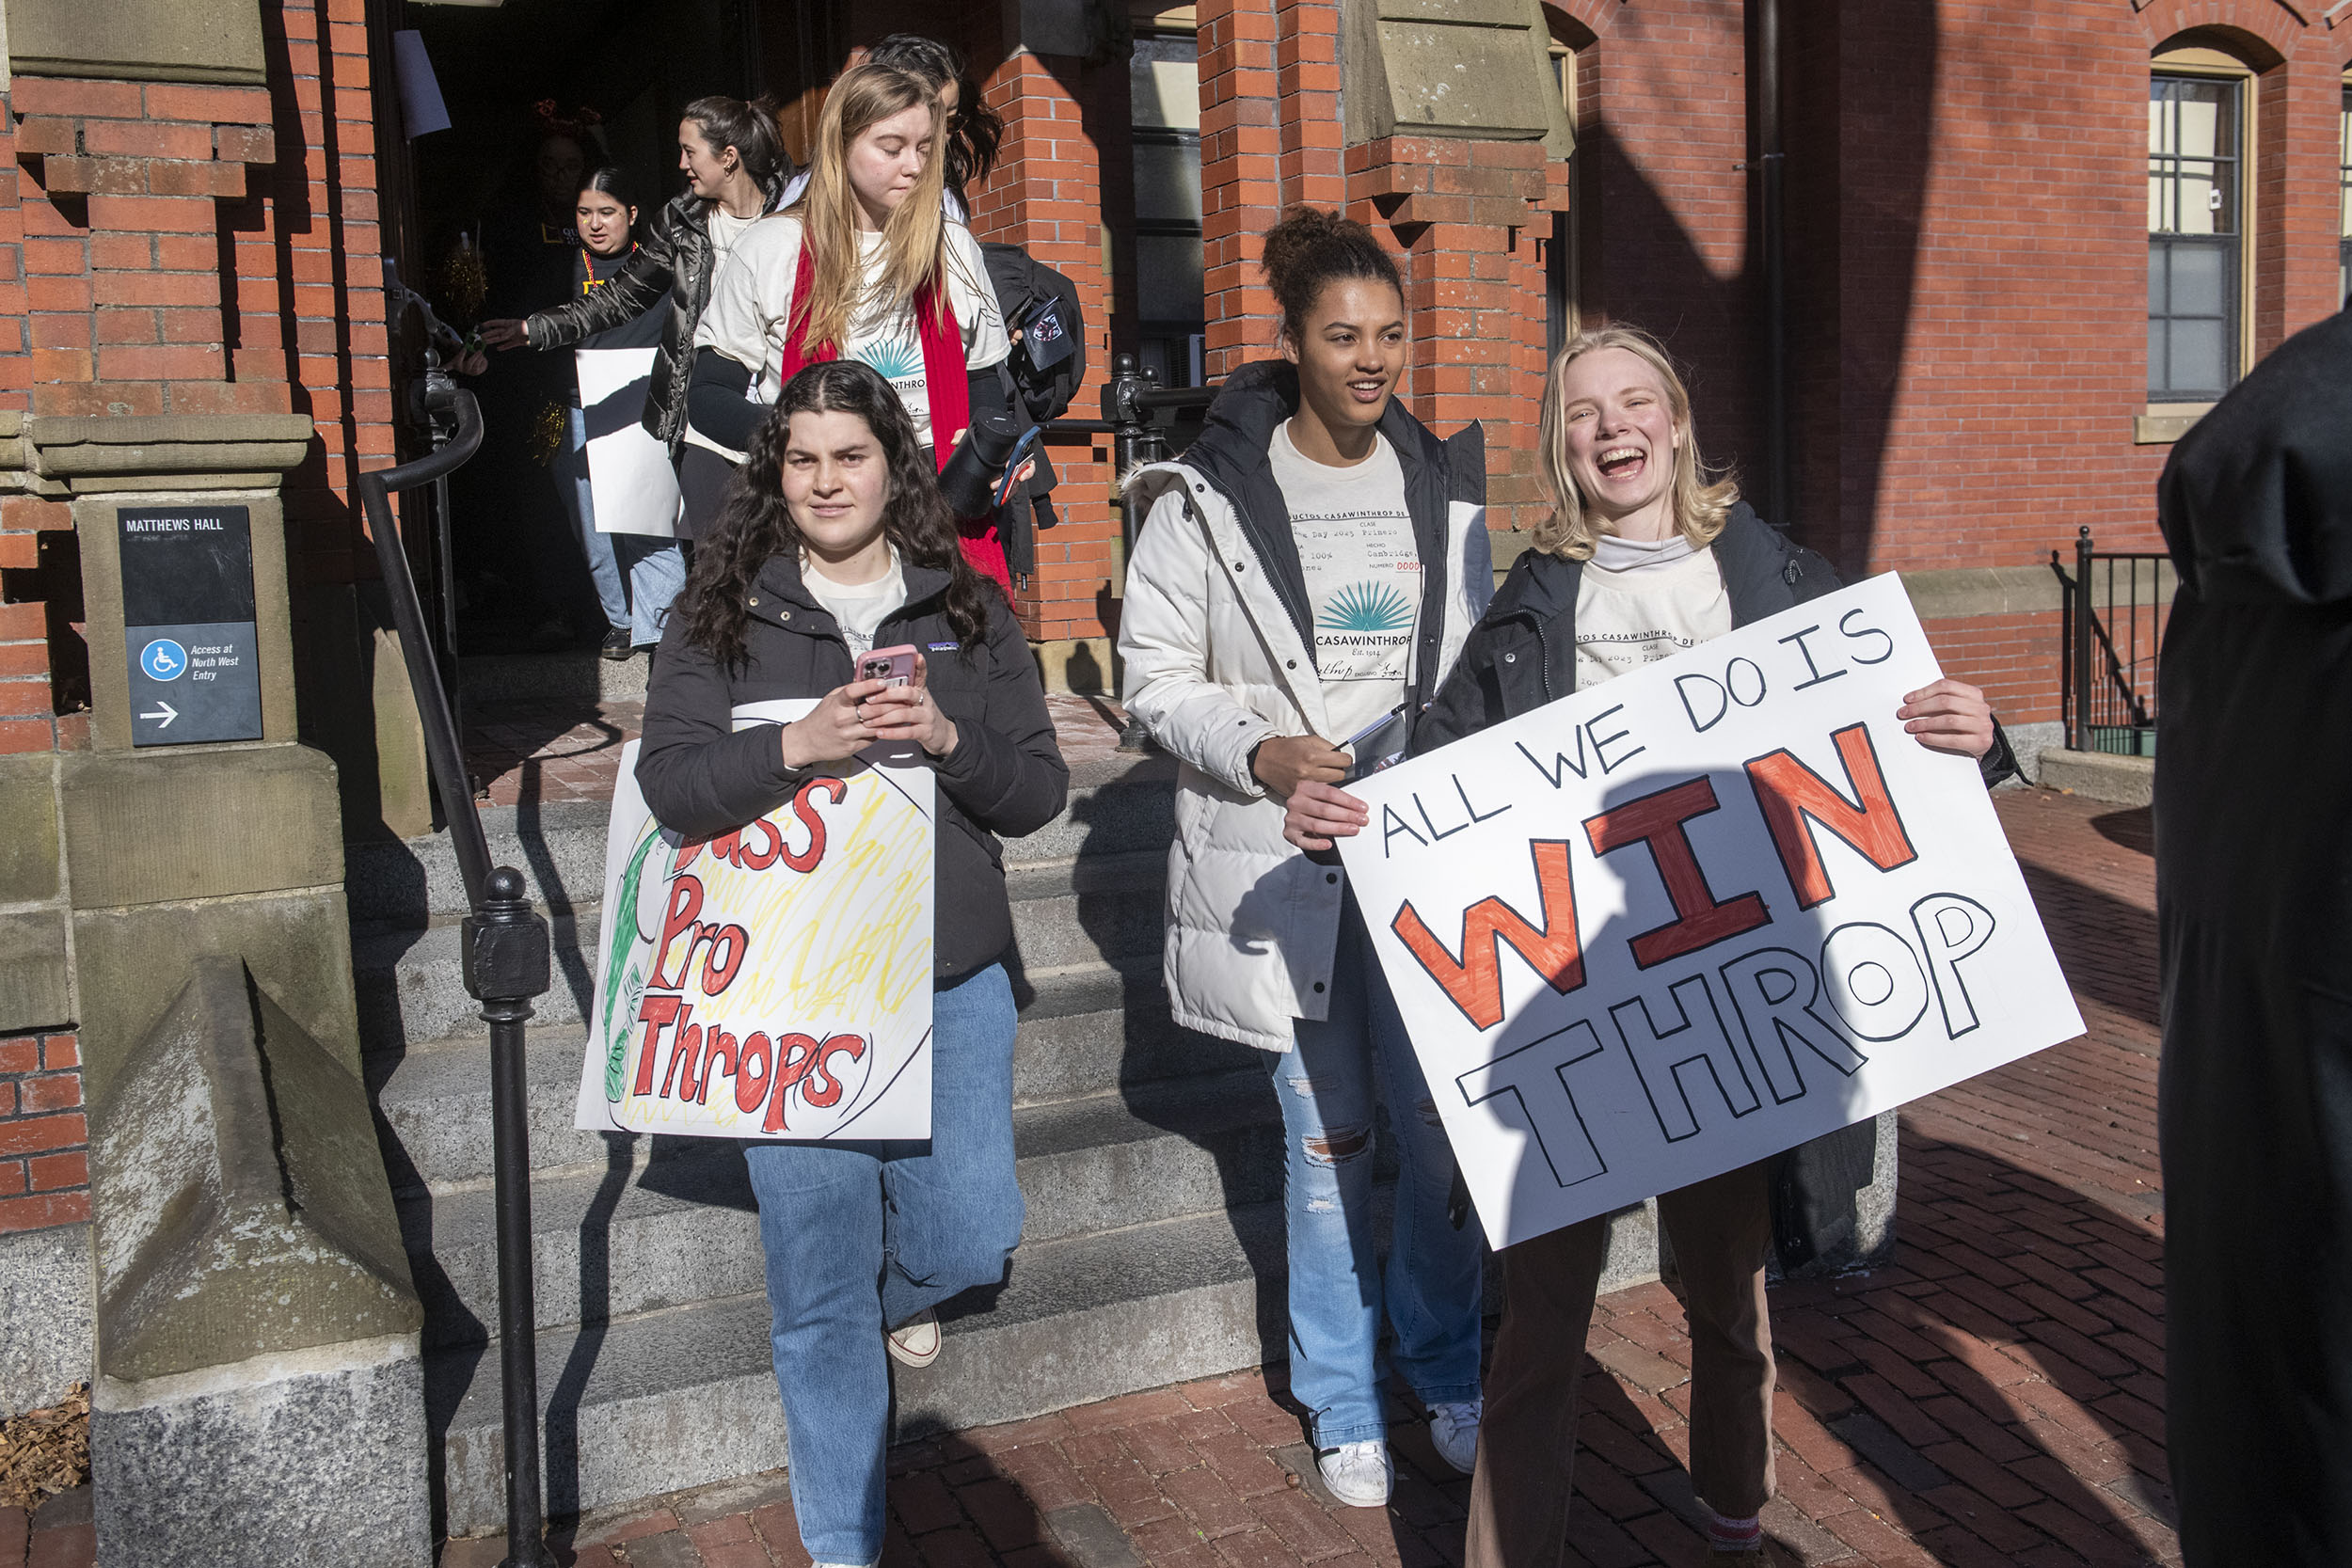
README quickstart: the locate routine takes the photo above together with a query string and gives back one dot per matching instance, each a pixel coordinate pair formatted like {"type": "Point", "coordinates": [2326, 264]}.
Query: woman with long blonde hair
{"type": "Point", "coordinates": [1644, 554]}
{"type": "Point", "coordinates": [864, 266]}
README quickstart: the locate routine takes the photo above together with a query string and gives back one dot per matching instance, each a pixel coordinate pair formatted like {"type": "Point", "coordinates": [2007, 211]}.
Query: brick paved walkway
{"type": "Point", "coordinates": [1995, 1397]}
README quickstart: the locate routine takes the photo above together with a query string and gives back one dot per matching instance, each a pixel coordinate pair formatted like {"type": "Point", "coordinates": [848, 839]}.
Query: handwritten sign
{"type": "Point", "coordinates": [774, 982]}
{"type": "Point", "coordinates": [1715, 908]}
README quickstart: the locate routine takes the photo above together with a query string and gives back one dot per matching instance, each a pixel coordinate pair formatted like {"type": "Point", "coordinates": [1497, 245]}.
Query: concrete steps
{"type": "Point", "coordinates": [1150, 1158]}
{"type": "Point", "coordinates": [664, 1222]}
{"type": "Point", "coordinates": [676, 1399]}
{"type": "Point", "coordinates": [565, 675]}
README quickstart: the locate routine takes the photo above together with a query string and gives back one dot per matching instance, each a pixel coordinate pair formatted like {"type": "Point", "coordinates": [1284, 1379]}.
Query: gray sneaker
{"type": "Point", "coordinates": [1453, 1431]}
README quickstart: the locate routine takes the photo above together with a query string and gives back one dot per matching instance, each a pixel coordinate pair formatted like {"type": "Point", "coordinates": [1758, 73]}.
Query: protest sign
{"type": "Point", "coordinates": [1723, 904]}
{"type": "Point", "coordinates": [774, 982]}
{"type": "Point", "coordinates": [630, 482]}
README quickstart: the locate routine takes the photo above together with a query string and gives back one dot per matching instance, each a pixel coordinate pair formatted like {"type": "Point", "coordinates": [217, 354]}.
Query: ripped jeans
{"type": "Point", "coordinates": [1430, 1290]}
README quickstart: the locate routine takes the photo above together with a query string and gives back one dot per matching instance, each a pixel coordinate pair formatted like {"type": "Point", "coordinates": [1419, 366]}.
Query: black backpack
{"type": "Point", "coordinates": [1041, 306]}
{"type": "Point", "coordinates": [1049, 361]}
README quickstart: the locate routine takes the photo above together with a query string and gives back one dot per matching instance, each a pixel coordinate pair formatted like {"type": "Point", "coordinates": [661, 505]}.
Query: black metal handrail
{"type": "Point", "coordinates": [505, 959]}
{"type": "Point", "coordinates": [2115, 612]}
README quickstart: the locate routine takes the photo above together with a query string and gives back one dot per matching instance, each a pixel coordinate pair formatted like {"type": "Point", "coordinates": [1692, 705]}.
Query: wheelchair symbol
{"type": "Point", "coordinates": [164, 660]}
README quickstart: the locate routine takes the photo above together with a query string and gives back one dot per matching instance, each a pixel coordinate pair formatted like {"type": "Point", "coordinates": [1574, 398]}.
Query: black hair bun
{"type": "Point", "coordinates": [1308, 250]}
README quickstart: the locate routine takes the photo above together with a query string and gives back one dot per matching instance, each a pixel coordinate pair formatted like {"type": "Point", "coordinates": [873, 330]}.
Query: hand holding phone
{"type": "Point", "coordinates": [1021, 451]}
{"type": "Point", "coordinates": [891, 666]}
{"type": "Point", "coordinates": [903, 710]}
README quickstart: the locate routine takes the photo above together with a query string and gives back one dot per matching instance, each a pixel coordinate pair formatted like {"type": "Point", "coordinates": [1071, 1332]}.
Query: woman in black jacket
{"type": "Point", "coordinates": [1642, 558]}
{"type": "Point", "coordinates": [834, 539]}
{"type": "Point", "coordinates": [736, 171]}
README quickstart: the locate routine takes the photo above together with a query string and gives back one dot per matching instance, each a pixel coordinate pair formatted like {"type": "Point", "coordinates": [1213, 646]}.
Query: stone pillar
{"type": "Point", "coordinates": [259, 1380]}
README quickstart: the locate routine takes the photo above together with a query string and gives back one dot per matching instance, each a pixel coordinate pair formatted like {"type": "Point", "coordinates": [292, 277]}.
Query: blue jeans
{"type": "Point", "coordinates": [862, 1237]}
{"type": "Point", "coordinates": [636, 574]}
{"type": "Point", "coordinates": [1431, 1291]}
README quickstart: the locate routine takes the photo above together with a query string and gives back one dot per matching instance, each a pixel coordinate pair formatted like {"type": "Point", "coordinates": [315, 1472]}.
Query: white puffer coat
{"type": "Point", "coordinates": [1214, 631]}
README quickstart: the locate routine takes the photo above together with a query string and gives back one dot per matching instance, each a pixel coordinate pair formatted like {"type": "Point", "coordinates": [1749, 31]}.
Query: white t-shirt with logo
{"type": "Point", "coordinates": [1355, 536]}
{"type": "Point", "coordinates": [751, 310]}
{"type": "Point", "coordinates": [1638, 602]}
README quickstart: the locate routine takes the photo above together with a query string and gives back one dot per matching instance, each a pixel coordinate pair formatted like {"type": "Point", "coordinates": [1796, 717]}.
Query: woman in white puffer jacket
{"type": "Point", "coordinates": [1305, 578]}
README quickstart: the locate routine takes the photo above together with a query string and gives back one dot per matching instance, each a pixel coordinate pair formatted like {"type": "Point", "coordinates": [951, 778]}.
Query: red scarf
{"type": "Point", "coordinates": [949, 395]}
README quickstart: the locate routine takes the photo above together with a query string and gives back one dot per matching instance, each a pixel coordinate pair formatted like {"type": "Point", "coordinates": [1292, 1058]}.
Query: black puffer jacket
{"type": "Point", "coordinates": [702, 776]}
{"type": "Point", "coordinates": [673, 259]}
{"type": "Point", "coordinates": [1522, 655]}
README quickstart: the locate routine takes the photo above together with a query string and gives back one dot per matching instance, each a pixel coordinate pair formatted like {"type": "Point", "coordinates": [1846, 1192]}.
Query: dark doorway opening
{"type": "Point", "coordinates": [537, 92]}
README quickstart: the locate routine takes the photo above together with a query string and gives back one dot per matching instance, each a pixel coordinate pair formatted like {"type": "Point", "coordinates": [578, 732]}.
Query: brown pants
{"type": "Point", "coordinates": [1721, 1230]}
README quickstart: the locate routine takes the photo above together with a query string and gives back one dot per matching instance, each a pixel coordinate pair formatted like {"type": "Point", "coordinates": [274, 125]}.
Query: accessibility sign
{"type": "Point", "coordinates": [164, 660]}
{"type": "Point", "coordinates": [188, 626]}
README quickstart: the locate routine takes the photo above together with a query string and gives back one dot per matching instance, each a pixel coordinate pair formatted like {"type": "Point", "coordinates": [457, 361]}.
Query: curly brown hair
{"type": "Point", "coordinates": [754, 523]}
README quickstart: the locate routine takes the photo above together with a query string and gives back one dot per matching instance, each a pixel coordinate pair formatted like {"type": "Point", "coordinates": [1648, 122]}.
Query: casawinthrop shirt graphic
{"type": "Point", "coordinates": [1363, 577]}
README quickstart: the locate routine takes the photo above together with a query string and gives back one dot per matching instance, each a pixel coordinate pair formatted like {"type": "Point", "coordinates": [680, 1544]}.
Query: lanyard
{"type": "Point", "coordinates": [588, 268]}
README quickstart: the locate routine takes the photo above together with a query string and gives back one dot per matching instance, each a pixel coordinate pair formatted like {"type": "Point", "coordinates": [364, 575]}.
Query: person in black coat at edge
{"type": "Point", "coordinates": [1640, 559]}
{"type": "Point", "coordinates": [832, 537]}
{"type": "Point", "coordinates": [2254, 921]}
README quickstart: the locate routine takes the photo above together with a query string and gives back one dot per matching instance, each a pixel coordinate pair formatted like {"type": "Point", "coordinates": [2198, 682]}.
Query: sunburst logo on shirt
{"type": "Point", "coordinates": [894, 358]}
{"type": "Point", "coordinates": [1362, 607]}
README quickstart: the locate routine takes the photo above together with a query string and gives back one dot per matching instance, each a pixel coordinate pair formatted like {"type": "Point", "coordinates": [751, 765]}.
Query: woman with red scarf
{"type": "Point", "coordinates": [865, 266]}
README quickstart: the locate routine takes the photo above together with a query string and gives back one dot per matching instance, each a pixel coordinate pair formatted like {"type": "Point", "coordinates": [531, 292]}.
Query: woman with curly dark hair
{"type": "Point", "coordinates": [833, 538]}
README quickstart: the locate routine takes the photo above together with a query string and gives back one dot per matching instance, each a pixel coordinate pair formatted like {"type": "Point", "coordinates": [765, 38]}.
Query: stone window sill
{"type": "Point", "coordinates": [2161, 423]}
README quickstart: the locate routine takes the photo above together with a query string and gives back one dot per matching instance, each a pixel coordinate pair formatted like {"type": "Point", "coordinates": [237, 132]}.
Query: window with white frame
{"type": "Point", "coordinates": [1165, 82]}
{"type": "Point", "coordinates": [2195, 235]}
{"type": "Point", "coordinates": [2343, 203]}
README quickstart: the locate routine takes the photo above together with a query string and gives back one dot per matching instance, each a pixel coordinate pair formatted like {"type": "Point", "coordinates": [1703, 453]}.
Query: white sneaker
{"type": "Point", "coordinates": [1453, 1431]}
{"type": "Point", "coordinates": [914, 1342]}
{"type": "Point", "coordinates": [1358, 1474]}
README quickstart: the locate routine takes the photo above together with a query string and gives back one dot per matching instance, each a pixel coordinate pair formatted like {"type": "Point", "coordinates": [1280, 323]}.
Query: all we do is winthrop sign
{"type": "Point", "coordinates": [1715, 908]}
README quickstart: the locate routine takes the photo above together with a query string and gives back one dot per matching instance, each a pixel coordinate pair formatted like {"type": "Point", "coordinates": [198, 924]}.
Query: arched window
{"type": "Point", "coordinates": [2199, 124]}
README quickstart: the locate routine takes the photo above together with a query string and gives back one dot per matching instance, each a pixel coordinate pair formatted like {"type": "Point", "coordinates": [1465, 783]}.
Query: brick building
{"type": "Point", "coordinates": [2025, 247]}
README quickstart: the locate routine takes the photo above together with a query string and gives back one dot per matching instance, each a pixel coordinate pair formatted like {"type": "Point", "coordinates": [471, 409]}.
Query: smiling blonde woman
{"type": "Point", "coordinates": [1643, 557]}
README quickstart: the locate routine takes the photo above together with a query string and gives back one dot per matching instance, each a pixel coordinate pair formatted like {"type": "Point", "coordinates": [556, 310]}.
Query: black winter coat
{"type": "Point", "coordinates": [701, 776]}
{"type": "Point", "coordinates": [2254, 925]}
{"type": "Point", "coordinates": [1522, 655]}
{"type": "Point", "coordinates": [673, 260]}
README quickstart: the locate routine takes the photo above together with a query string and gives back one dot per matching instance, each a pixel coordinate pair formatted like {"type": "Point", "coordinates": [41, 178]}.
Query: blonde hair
{"type": "Point", "coordinates": [913, 235]}
{"type": "Point", "coordinates": [1701, 505]}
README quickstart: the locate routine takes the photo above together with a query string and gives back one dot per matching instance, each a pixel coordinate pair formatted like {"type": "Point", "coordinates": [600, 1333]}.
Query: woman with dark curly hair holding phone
{"type": "Point", "coordinates": [833, 538]}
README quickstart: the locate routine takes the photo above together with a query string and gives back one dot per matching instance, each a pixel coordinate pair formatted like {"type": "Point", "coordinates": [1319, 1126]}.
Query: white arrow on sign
{"type": "Point", "coordinates": [164, 711]}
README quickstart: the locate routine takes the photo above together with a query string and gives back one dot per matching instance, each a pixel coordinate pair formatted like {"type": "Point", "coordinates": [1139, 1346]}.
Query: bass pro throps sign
{"type": "Point", "coordinates": [1719, 905]}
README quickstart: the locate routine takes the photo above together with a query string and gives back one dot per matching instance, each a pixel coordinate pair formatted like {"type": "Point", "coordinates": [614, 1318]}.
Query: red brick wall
{"type": "Point", "coordinates": [1460, 217]}
{"type": "Point", "coordinates": [175, 249]}
{"type": "Point", "coordinates": [168, 248]}
{"type": "Point", "coordinates": [44, 1141]}
{"type": "Point", "coordinates": [1046, 195]}
{"type": "Point", "coordinates": [1968, 244]}
{"type": "Point", "coordinates": [2017, 659]}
